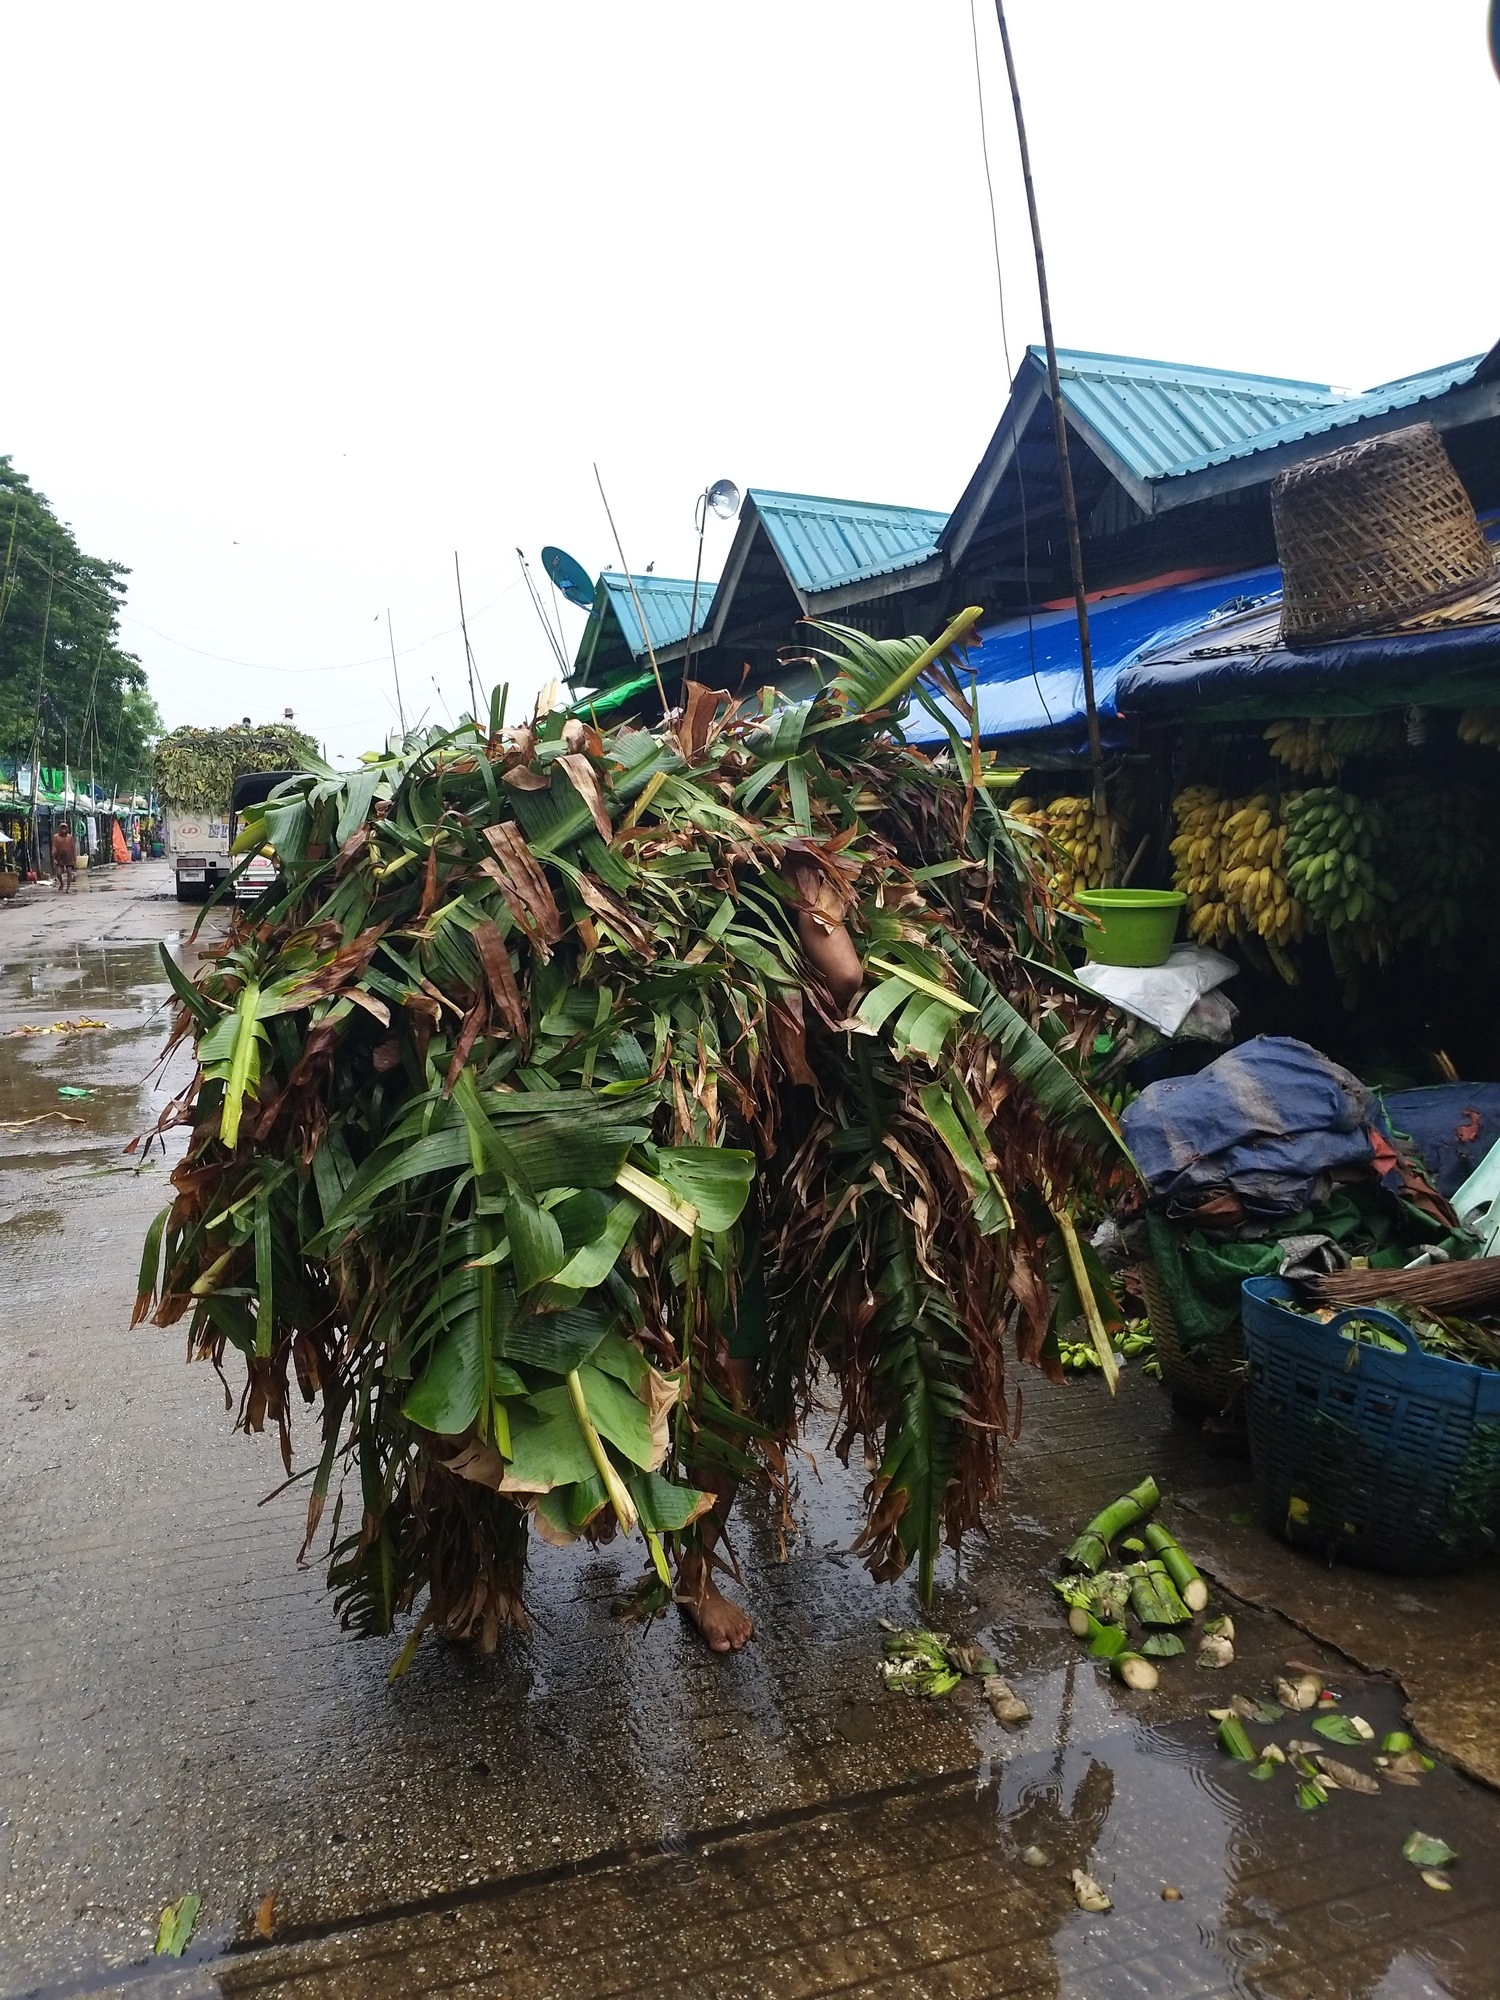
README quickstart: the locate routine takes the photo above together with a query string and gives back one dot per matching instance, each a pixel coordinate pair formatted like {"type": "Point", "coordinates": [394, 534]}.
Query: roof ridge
{"type": "Point", "coordinates": [1183, 368]}
{"type": "Point", "coordinates": [759, 493]}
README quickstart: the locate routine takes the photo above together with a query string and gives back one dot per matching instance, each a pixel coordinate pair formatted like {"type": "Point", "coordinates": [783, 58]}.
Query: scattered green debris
{"type": "Point", "coordinates": [176, 1926]}
{"type": "Point", "coordinates": [73, 1090]}
{"type": "Point", "coordinates": [1311, 1794]}
{"type": "Point", "coordinates": [1162, 1645]}
{"type": "Point", "coordinates": [1337, 1729]}
{"type": "Point", "coordinates": [920, 1662]}
{"type": "Point", "coordinates": [1234, 1741]}
{"type": "Point", "coordinates": [916, 1662]}
{"type": "Point", "coordinates": [1425, 1850]}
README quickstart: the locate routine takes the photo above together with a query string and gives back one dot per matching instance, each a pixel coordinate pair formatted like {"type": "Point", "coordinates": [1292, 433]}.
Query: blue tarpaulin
{"type": "Point", "coordinates": [1030, 673]}
{"type": "Point", "coordinates": [1264, 1123]}
{"type": "Point", "coordinates": [1451, 1125]}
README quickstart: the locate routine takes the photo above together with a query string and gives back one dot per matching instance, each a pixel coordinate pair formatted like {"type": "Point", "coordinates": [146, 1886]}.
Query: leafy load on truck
{"type": "Point", "coordinates": [196, 768]}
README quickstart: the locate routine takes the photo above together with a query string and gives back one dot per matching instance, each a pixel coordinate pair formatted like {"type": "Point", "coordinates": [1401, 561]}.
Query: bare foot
{"type": "Point", "coordinates": [721, 1621]}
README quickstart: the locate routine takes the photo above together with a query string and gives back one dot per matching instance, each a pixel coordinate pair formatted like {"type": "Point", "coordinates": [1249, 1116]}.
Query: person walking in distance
{"type": "Point", "coordinates": [64, 858]}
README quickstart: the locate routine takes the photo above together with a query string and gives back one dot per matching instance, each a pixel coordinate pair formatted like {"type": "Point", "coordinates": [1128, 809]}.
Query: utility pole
{"type": "Point", "coordinates": [1064, 468]}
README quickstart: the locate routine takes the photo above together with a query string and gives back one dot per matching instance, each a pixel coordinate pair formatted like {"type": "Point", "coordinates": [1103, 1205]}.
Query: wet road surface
{"type": "Point", "coordinates": [602, 1808]}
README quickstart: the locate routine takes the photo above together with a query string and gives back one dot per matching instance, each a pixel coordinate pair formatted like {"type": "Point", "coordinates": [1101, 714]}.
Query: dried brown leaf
{"type": "Point", "coordinates": [584, 779]}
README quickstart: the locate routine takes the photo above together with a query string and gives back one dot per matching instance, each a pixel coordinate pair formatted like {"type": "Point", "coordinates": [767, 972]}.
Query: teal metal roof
{"type": "Point", "coordinates": [612, 643]}
{"type": "Point", "coordinates": [825, 544]}
{"type": "Point", "coordinates": [667, 602]}
{"type": "Point", "coordinates": [1160, 417]}
{"type": "Point", "coordinates": [1346, 409]}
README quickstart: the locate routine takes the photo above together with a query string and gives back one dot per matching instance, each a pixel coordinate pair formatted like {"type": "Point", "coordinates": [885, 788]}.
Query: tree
{"type": "Point", "coordinates": [69, 691]}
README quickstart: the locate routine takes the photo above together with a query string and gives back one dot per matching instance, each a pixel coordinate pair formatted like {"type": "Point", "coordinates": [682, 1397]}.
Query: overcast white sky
{"type": "Point", "coordinates": [301, 299]}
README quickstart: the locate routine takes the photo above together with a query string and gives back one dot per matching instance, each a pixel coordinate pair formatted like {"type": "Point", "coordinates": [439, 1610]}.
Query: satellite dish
{"type": "Point", "coordinates": [723, 499]}
{"type": "Point", "coordinates": [570, 576]}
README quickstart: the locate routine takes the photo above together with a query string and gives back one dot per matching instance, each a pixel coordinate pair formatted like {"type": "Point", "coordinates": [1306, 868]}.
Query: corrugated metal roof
{"type": "Point", "coordinates": [1161, 417]}
{"type": "Point", "coordinates": [667, 602]}
{"type": "Point", "coordinates": [824, 544]}
{"type": "Point", "coordinates": [1311, 422]}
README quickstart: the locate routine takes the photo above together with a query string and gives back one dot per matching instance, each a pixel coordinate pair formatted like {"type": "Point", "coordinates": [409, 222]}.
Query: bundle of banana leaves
{"type": "Point", "coordinates": [552, 1051]}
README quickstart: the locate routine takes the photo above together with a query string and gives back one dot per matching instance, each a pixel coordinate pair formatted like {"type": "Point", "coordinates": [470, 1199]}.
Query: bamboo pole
{"type": "Point", "coordinates": [1064, 468]}
{"type": "Point", "coordinates": [468, 649]}
{"type": "Point", "coordinates": [634, 597]}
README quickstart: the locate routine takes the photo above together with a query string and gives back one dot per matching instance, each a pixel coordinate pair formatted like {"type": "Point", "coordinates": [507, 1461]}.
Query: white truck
{"type": "Point", "coordinates": [196, 839]}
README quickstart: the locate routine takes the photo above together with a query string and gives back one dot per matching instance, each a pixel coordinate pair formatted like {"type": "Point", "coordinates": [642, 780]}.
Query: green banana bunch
{"type": "Point", "coordinates": [1439, 855]}
{"type": "Point", "coordinates": [1365, 735]}
{"type": "Point", "coordinates": [1078, 1355]}
{"type": "Point", "coordinates": [1331, 840]}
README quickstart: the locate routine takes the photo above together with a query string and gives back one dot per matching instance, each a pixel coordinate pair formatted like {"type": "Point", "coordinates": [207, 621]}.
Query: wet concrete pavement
{"type": "Point", "coordinates": [603, 1809]}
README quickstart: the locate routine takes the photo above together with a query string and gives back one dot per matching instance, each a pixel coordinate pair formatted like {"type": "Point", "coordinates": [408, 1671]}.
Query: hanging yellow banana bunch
{"type": "Point", "coordinates": [1304, 746]}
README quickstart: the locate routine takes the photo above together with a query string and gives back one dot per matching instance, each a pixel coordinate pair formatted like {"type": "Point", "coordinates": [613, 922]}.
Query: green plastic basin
{"type": "Point", "coordinates": [1138, 924]}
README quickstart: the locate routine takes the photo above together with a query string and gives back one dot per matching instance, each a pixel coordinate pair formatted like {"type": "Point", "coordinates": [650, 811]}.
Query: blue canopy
{"type": "Point", "coordinates": [1030, 672]}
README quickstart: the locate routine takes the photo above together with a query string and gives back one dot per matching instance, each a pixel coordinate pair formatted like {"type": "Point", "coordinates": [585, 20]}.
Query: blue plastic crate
{"type": "Point", "coordinates": [1386, 1459]}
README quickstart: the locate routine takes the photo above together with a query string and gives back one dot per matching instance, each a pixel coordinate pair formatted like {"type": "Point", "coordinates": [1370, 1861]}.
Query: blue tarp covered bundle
{"type": "Point", "coordinates": [1451, 1125]}
{"type": "Point", "coordinates": [1263, 1125]}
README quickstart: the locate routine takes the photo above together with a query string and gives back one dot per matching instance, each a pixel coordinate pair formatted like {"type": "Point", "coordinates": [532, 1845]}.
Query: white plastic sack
{"type": "Point", "coordinates": [1161, 995]}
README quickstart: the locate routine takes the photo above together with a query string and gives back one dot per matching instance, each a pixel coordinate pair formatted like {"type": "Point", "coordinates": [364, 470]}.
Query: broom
{"type": "Point", "coordinates": [1464, 1288]}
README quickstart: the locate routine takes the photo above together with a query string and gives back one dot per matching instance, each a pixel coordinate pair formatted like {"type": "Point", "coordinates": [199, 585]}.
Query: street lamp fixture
{"type": "Point", "coordinates": [722, 500]}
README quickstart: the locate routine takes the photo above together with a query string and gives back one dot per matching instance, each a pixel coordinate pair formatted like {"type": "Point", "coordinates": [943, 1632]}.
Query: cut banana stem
{"type": "Point", "coordinates": [1135, 1672]}
{"type": "Point", "coordinates": [1190, 1585]}
{"type": "Point", "coordinates": [1091, 1550]}
{"type": "Point", "coordinates": [1154, 1601]}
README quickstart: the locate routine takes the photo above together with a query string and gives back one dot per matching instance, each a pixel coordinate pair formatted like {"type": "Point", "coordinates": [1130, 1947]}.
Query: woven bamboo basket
{"type": "Point", "coordinates": [1372, 534]}
{"type": "Point", "coordinates": [1209, 1377]}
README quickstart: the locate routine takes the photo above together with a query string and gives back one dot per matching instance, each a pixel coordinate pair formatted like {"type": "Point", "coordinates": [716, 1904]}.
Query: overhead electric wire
{"type": "Point", "coordinates": [1015, 441]}
{"type": "Point", "coordinates": [337, 667]}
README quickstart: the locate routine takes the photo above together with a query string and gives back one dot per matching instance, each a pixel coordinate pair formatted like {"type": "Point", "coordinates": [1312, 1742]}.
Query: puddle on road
{"type": "Point", "coordinates": [122, 985]}
{"type": "Point", "coordinates": [921, 1889]}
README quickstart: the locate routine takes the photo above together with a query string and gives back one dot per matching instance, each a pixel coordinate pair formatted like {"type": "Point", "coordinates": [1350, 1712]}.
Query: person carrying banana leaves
{"type": "Point", "coordinates": [574, 1097]}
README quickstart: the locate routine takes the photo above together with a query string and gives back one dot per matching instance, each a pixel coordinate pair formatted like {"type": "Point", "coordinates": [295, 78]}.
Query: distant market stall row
{"type": "Point", "coordinates": [107, 829]}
